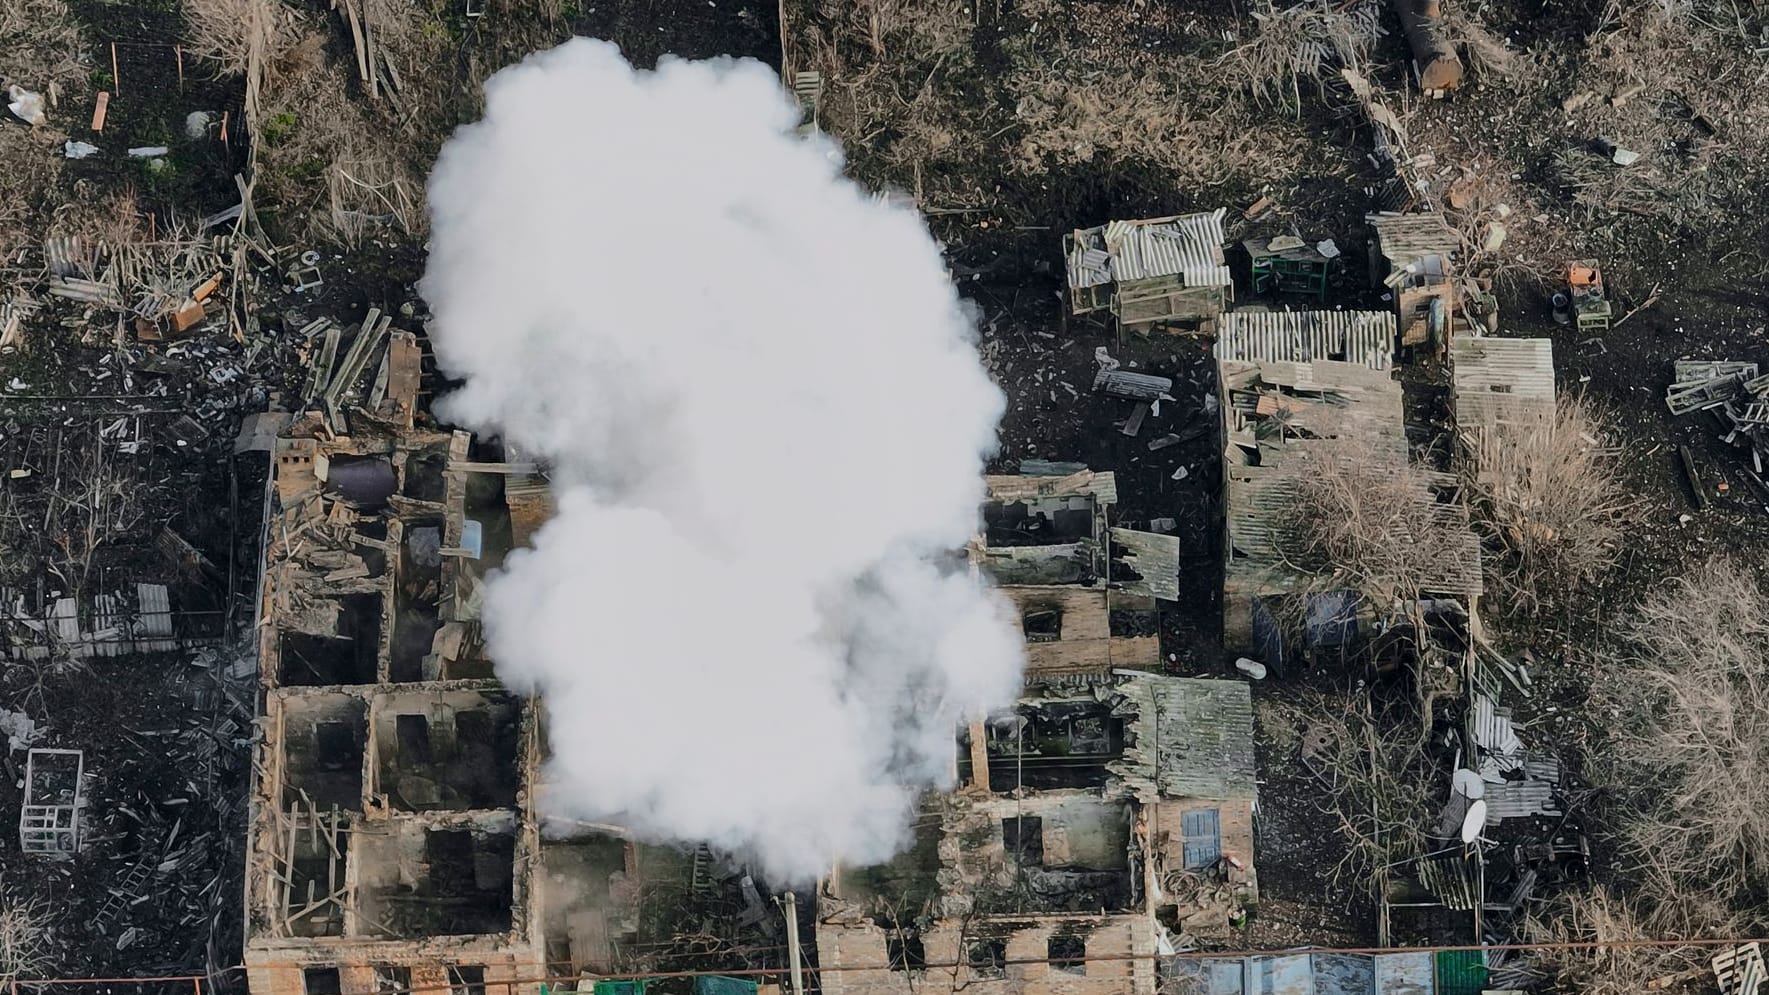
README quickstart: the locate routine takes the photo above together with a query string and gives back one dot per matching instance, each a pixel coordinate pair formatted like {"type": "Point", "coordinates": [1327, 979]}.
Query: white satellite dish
{"type": "Point", "coordinates": [1468, 784]}
{"type": "Point", "coordinates": [1474, 821]}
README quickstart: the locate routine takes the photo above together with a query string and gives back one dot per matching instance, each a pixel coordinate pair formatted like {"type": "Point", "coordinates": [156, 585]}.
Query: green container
{"type": "Point", "coordinates": [619, 988]}
{"type": "Point", "coordinates": [1461, 972]}
{"type": "Point", "coordinates": [714, 984]}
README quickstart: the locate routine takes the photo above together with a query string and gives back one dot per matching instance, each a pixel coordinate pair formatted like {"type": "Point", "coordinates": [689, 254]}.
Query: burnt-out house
{"type": "Point", "coordinates": [1096, 824]}
{"type": "Point", "coordinates": [394, 840]}
{"type": "Point", "coordinates": [1082, 591]}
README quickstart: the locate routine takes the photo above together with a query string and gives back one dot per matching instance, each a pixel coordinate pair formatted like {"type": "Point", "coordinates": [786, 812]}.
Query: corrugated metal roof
{"type": "Point", "coordinates": [1191, 738]}
{"type": "Point", "coordinates": [1188, 246]}
{"type": "Point", "coordinates": [1102, 485]}
{"type": "Point", "coordinates": [1357, 408]}
{"type": "Point", "coordinates": [1363, 337]}
{"type": "Point", "coordinates": [1405, 238]}
{"type": "Point", "coordinates": [1155, 558]}
{"type": "Point", "coordinates": [1501, 383]}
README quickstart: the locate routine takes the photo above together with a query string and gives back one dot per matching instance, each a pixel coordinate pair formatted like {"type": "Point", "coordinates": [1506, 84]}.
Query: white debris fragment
{"type": "Point", "coordinates": [196, 124]}
{"type": "Point", "coordinates": [79, 150]}
{"type": "Point", "coordinates": [19, 730]}
{"type": "Point", "coordinates": [148, 151]}
{"type": "Point", "coordinates": [26, 105]}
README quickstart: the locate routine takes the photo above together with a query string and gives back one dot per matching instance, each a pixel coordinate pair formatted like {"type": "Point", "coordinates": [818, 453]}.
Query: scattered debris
{"type": "Point", "coordinates": [26, 105]}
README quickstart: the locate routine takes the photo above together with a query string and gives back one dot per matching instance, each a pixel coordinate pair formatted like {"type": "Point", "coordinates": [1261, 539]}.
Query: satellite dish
{"type": "Point", "coordinates": [1468, 784]}
{"type": "Point", "coordinates": [1474, 821]}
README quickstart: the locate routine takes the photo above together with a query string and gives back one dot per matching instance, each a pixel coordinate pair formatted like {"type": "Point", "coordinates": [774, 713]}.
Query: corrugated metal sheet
{"type": "Point", "coordinates": [1536, 794]}
{"type": "Point", "coordinates": [1102, 485]}
{"type": "Point", "coordinates": [1461, 972]}
{"type": "Point", "coordinates": [1404, 974]}
{"type": "Point", "coordinates": [1366, 338]}
{"type": "Point", "coordinates": [155, 610]}
{"type": "Point", "coordinates": [1501, 383]}
{"type": "Point", "coordinates": [1450, 877]}
{"type": "Point", "coordinates": [1188, 246]}
{"type": "Point", "coordinates": [1404, 238]}
{"type": "Point", "coordinates": [1492, 731]}
{"type": "Point", "coordinates": [1193, 737]}
{"type": "Point", "coordinates": [1155, 558]}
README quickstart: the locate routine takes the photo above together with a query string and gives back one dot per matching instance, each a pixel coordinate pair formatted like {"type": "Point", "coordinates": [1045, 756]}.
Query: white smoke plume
{"type": "Point", "coordinates": [766, 418]}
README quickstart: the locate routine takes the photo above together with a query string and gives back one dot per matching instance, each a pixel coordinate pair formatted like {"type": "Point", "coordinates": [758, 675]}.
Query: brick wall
{"type": "Point", "coordinates": [1119, 952]}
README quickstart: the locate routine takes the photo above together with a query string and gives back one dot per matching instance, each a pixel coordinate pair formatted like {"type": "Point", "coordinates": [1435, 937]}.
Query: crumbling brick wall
{"type": "Point", "coordinates": [1119, 957]}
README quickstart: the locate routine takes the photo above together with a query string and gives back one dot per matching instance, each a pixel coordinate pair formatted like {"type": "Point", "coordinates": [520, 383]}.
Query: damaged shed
{"type": "Point", "coordinates": [1284, 421]}
{"type": "Point", "coordinates": [1156, 271]}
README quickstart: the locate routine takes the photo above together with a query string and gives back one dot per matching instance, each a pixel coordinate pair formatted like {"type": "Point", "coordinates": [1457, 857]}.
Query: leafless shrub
{"type": "Point", "coordinates": [1543, 491]}
{"type": "Point", "coordinates": [24, 938]}
{"type": "Point", "coordinates": [1602, 916]}
{"type": "Point", "coordinates": [1691, 736]}
{"type": "Point", "coordinates": [1363, 521]}
{"type": "Point", "coordinates": [1370, 777]}
{"type": "Point", "coordinates": [1301, 42]}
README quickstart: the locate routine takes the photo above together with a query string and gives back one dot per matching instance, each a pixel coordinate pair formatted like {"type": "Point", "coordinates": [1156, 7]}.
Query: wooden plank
{"type": "Point", "coordinates": [1692, 474]}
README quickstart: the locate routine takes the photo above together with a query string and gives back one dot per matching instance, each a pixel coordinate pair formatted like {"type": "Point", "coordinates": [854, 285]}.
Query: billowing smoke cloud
{"type": "Point", "coordinates": [766, 417]}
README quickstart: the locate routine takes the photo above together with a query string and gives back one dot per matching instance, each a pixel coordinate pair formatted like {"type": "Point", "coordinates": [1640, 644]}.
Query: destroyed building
{"type": "Point", "coordinates": [1285, 412]}
{"type": "Point", "coordinates": [1108, 814]}
{"type": "Point", "coordinates": [1099, 821]}
{"type": "Point", "coordinates": [1083, 591]}
{"type": "Point", "coordinates": [1412, 255]}
{"type": "Point", "coordinates": [395, 839]}
{"type": "Point", "coordinates": [1157, 271]}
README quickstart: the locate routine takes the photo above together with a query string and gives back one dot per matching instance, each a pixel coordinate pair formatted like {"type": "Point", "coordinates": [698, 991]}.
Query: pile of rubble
{"type": "Point", "coordinates": [1739, 398]}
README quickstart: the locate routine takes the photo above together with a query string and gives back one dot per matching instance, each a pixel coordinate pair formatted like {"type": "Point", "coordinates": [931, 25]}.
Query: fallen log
{"type": "Point", "coordinates": [1434, 57]}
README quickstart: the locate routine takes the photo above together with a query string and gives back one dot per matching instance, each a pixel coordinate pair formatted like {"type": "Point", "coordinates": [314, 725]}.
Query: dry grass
{"type": "Point", "coordinates": [42, 44]}
{"type": "Point", "coordinates": [1544, 492]}
{"type": "Point", "coordinates": [1066, 121]}
{"type": "Point", "coordinates": [113, 219]}
{"type": "Point", "coordinates": [1691, 733]}
{"type": "Point", "coordinates": [1602, 916]}
{"type": "Point", "coordinates": [239, 35]}
{"type": "Point", "coordinates": [334, 161]}
{"type": "Point", "coordinates": [1306, 41]}
{"type": "Point", "coordinates": [1362, 521]}
{"type": "Point", "coordinates": [24, 939]}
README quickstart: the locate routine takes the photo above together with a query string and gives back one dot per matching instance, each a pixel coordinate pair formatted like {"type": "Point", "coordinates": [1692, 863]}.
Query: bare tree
{"type": "Point", "coordinates": [1601, 916]}
{"type": "Point", "coordinates": [1364, 521]}
{"type": "Point", "coordinates": [1691, 699]}
{"type": "Point", "coordinates": [1544, 493]}
{"type": "Point", "coordinates": [1371, 779]}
